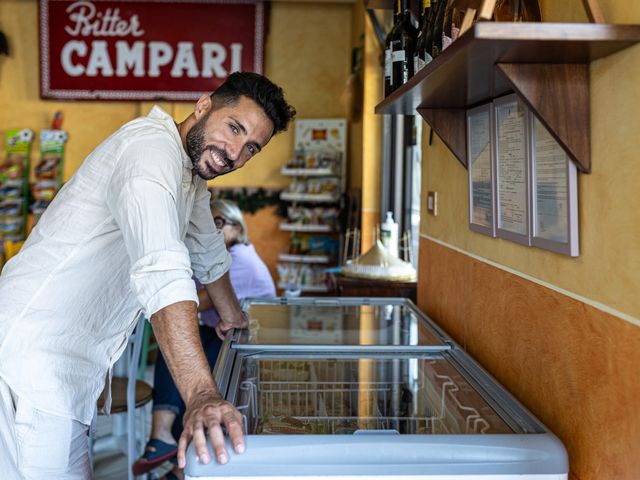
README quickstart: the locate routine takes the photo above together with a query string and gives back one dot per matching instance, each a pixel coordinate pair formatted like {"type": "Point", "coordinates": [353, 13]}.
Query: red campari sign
{"type": "Point", "coordinates": [146, 49]}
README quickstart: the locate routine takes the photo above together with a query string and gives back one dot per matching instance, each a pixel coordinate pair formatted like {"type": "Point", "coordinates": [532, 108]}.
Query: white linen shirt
{"type": "Point", "coordinates": [126, 233]}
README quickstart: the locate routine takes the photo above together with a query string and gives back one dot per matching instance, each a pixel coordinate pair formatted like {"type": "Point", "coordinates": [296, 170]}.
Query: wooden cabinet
{"type": "Point", "coordinates": [360, 287]}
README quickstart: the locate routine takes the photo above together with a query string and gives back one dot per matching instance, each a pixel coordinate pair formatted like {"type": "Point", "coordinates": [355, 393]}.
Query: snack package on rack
{"type": "Point", "coordinates": [325, 156]}
{"type": "Point", "coordinates": [48, 172]}
{"type": "Point", "coordinates": [14, 185]}
{"type": "Point", "coordinates": [323, 245]}
{"type": "Point", "coordinates": [294, 276]}
{"type": "Point", "coordinates": [312, 215]}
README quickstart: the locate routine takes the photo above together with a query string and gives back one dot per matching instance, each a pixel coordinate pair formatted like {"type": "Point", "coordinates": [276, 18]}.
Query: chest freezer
{"type": "Point", "coordinates": [393, 398]}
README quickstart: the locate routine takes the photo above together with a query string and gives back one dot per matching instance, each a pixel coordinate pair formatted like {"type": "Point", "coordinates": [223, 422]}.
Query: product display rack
{"type": "Point", "coordinates": [317, 173]}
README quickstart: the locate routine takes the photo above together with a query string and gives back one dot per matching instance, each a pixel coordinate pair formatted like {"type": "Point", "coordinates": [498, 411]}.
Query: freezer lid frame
{"type": "Point", "coordinates": [441, 336]}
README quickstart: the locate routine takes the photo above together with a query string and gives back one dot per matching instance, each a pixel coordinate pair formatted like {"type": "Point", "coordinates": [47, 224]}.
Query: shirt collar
{"type": "Point", "coordinates": [159, 114]}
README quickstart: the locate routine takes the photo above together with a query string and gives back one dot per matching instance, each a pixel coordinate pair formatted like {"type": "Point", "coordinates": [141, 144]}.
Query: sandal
{"type": "Point", "coordinates": [162, 451]}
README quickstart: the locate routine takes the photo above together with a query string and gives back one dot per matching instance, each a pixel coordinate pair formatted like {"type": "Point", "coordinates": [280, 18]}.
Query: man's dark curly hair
{"type": "Point", "coordinates": [259, 89]}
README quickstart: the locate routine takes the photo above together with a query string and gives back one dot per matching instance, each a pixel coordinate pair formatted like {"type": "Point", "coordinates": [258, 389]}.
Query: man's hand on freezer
{"type": "Point", "coordinates": [209, 412]}
{"type": "Point", "coordinates": [224, 326]}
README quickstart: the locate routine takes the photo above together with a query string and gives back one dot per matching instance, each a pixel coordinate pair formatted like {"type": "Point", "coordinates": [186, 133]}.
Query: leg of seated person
{"type": "Point", "coordinates": [167, 405]}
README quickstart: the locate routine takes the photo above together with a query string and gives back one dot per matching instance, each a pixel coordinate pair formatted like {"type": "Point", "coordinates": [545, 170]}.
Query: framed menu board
{"type": "Point", "coordinates": [481, 170]}
{"type": "Point", "coordinates": [512, 169]}
{"type": "Point", "coordinates": [554, 194]}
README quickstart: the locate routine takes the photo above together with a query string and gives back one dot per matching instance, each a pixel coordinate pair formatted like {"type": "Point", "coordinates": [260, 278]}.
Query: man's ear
{"type": "Point", "coordinates": [203, 105]}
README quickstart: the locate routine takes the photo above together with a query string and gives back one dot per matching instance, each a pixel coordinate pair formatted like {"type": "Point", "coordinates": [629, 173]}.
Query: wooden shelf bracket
{"type": "Point", "coordinates": [558, 94]}
{"type": "Point", "coordinates": [450, 126]}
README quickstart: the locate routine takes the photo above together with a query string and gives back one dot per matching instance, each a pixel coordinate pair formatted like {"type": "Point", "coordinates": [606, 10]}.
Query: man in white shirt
{"type": "Point", "coordinates": [125, 234]}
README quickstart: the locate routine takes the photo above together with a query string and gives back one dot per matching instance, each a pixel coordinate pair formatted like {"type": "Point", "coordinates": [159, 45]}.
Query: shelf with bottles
{"type": "Point", "coordinates": [546, 64]}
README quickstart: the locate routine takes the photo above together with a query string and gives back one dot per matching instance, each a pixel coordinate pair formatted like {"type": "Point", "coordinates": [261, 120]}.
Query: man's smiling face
{"type": "Point", "coordinates": [224, 139]}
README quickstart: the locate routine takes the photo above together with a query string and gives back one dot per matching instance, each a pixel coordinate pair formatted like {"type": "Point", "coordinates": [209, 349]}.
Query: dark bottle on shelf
{"type": "Point", "coordinates": [403, 44]}
{"type": "Point", "coordinates": [438, 21]}
{"type": "Point", "coordinates": [422, 55]}
{"type": "Point", "coordinates": [388, 64]}
{"type": "Point", "coordinates": [451, 24]}
{"type": "Point", "coordinates": [517, 11]}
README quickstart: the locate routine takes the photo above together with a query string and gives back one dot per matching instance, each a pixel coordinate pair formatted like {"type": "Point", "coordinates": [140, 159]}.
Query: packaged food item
{"type": "Point", "coordinates": [14, 184]}
{"type": "Point", "coordinates": [49, 169]}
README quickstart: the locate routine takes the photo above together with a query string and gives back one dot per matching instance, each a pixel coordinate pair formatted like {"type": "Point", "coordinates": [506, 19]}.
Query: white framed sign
{"type": "Point", "coordinates": [512, 169]}
{"type": "Point", "coordinates": [554, 194]}
{"type": "Point", "coordinates": [481, 170]}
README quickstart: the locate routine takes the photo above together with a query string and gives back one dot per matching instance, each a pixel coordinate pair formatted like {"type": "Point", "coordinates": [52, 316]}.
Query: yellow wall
{"type": "Point", "coordinates": [560, 333]}
{"type": "Point", "coordinates": [307, 52]}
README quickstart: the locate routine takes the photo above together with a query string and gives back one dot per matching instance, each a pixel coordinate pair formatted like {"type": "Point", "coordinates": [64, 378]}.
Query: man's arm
{"type": "Point", "coordinates": [224, 299]}
{"type": "Point", "coordinates": [176, 330]}
{"type": "Point", "coordinates": [204, 300]}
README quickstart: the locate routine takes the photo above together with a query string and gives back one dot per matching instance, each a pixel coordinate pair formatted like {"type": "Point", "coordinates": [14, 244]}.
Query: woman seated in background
{"type": "Point", "coordinates": [249, 277]}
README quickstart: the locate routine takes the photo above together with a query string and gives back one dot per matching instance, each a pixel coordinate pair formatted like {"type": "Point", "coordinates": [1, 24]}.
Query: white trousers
{"type": "Point", "coordinates": [37, 445]}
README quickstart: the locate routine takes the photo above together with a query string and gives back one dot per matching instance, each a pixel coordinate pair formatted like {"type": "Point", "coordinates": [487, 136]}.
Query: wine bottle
{"type": "Point", "coordinates": [517, 11]}
{"type": "Point", "coordinates": [422, 55]}
{"type": "Point", "coordinates": [438, 21]}
{"type": "Point", "coordinates": [451, 24]}
{"type": "Point", "coordinates": [403, 44]}
{"type": "Point", "coordinates": [388, 71]}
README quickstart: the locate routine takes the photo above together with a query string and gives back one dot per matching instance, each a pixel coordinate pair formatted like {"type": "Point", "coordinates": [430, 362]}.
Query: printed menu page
{"type": "Point", "coordinates": [512, 168]}
{"type": "Point", "coordinates": [551, 187]}
{"type": "Point", "coordinates": [480, 168]}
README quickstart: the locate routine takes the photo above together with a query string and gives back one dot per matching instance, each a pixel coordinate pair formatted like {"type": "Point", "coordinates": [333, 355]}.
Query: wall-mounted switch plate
{"type": "Point", "coordinates": [432, 203]}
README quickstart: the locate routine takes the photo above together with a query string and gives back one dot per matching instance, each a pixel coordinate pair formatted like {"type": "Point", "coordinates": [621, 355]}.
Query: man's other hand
{"type": "Point", "coordinates": [224, 326]}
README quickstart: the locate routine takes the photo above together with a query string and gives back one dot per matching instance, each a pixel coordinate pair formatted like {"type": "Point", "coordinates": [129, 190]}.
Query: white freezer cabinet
{"type": "Point", "coordinates": [421, 409]}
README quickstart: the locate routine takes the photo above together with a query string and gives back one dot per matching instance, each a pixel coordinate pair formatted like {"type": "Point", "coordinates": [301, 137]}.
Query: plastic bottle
{"type": "Point", "coordinates": [389, 234]}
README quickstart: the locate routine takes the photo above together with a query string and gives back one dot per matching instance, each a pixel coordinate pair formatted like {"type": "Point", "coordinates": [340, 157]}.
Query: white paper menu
{"type": "Point", "coordinates": [481, 182]}
{"type": "Point", "coordinates": [551, 187]}
{"type": "Point", "coordinates": [511, 167]}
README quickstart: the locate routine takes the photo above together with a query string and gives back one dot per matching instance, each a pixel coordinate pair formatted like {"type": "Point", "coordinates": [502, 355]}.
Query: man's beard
{"type": "Point", "coordinates": [196, 147]}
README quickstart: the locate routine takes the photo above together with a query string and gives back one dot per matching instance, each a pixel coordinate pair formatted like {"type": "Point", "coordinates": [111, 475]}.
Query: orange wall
{"type": "Point", "coordinates": [574, 366]}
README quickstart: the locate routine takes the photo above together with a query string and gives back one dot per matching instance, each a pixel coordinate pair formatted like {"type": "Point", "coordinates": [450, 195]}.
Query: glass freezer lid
{"type": "Point", "coordinates": [338, 323]}
{"type": "Point", "coordinates": [348, 394]}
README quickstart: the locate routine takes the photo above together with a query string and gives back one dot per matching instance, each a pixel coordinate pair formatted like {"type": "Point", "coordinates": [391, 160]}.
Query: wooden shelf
{"type": "Point", "coordinates": [546, 64]}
